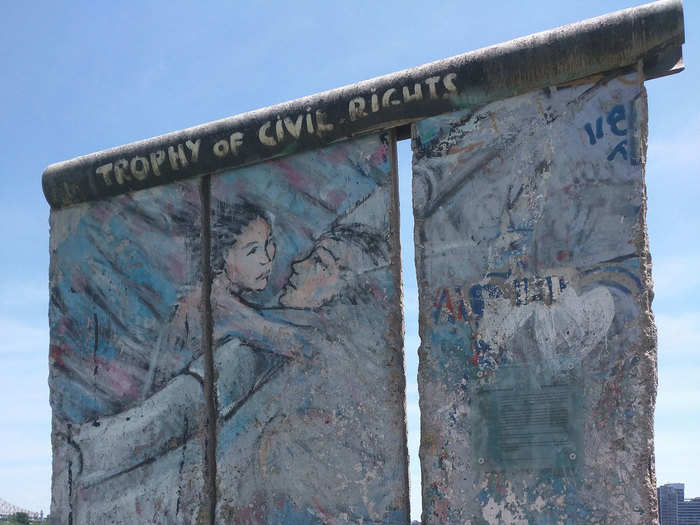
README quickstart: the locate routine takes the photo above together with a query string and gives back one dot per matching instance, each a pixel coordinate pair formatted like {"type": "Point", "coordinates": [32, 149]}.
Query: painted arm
{"type": "Point", "coordinates": [118, 444]}
{"type": "Point", "coordinates": [234, 319]}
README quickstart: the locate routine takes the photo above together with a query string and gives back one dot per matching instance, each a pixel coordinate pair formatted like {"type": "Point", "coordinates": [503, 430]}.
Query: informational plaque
{"type": "Point", "coordinates": [527, 421]}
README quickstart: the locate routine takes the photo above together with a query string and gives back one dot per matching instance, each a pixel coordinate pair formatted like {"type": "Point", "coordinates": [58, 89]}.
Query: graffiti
{"type": "Point", "coordinates": [450, 305]}
{"type": "Point", "coordinates": [565, 331]}
{"type": "Point", "coordinates": [293, 127]}
{"type": "Point", "coordinates": [202, 334]}
{"type": "Point", "coordinates": [272, 133]}
{"type": "Point", "coordinates": [529, 256]}
{"type": "Point", "coordinates": [282, 381]}
{"type": "Point", "coordinates": [138, 167]}
{"type": "Point", "coordinates": [357, 107]}
{"type": "Point", "coordinates": [322, 285]}
{"type": "Point", "coordinates": [562, 320]}
{"type": "Point", "coordinates": [613, 119]}
{"type": "Point", "coordinates": [538, 289]}
{"type": "Point", "coordinates": [232, 145]}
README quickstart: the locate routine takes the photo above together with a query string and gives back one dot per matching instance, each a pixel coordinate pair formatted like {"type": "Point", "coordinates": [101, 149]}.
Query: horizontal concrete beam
{"type": "Point", "coordinates": [651, 34]}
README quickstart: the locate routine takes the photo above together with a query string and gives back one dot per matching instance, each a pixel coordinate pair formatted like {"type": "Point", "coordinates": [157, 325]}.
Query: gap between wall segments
{"type": "Point", "coordinates": [207, 349]}
{"type": "Point", "coordinates": [410, 315]}
{"type": "Point", "coordinates": [398, 315]}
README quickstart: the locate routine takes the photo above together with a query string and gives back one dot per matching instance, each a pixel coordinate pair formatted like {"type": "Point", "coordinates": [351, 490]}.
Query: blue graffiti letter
{"type": "Point", "coordinates": [620, 148]}
{"type": "Point", "coordinates": [614, 116]}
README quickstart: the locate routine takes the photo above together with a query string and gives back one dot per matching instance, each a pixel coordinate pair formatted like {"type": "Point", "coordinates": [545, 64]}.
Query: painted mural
{"type": "Point", "coordinates": [307, 339]}
{"type": "Point", "coordinates": [306, 347]}
{"type": "Point", "coordinates": [537, 364]}
{"type": "Point", "coordinates": [118, 269]}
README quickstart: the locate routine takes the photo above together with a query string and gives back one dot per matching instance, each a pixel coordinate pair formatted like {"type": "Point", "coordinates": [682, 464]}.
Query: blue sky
{"type": "Point", "coordinates": [86, 76]}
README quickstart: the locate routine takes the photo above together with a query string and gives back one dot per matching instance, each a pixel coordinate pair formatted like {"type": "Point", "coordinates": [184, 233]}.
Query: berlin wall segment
{"type": "Point", "coordinates": [195, 318]}
{"type": "Point", "coordinates": [308, 339]}
{"type": "Point", "coordinates": [248, 413]}
{"type": "Point", "coordinates": [128, 431]}
{"type": "Point", "coordinates": [538, 359]}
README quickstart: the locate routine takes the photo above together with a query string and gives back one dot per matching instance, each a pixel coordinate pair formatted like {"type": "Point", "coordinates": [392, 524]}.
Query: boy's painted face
{"type": "Point", "coordinates": [248, 262]}
{"type": "Point", "coordinates": [315, 279]}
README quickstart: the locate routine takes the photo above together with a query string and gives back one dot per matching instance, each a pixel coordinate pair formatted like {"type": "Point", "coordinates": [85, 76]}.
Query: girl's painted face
{"type": "Point", "coordinates": [248, 262]}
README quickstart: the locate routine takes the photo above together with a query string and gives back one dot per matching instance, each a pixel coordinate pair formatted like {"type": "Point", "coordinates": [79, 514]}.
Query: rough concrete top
{"type": "Point", "coordinates": [652, 34]}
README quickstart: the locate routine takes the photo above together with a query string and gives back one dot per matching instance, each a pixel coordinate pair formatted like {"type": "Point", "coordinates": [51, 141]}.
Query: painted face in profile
{"type": "Point", "coordinates": [315, 279]}
{"type": "Point", "coordinates": [248, 262]}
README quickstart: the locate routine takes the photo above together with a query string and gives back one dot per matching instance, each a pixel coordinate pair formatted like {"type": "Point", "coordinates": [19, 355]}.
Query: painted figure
{"type": "Point", "coordinates": [281, 375]}
{"type": "Point", "coordinates": [162, 426]}
{"type": "Point", "coordinates": [343, 279]}
{"type": "Point", "coordinates": [295, 343]}
{"type": "Point", "coordinates": [242, 249]}
{"type": "Point", "coordinates": [339, 259]}
{"type": "Point", "coordinates": [248, 349]}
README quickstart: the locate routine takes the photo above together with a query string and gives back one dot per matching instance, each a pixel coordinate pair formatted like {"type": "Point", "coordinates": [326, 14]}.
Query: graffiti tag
{"type": "Point", "coordinates": [613, 118]}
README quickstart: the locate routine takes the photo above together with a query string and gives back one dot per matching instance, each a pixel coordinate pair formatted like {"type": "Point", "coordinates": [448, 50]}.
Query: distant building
{"type": "Point", "coordinates": [674, 509]}
{"type": "Point", "coordinates": [669, 496]}
{"type": "Point", "coordinates": [689, 512]}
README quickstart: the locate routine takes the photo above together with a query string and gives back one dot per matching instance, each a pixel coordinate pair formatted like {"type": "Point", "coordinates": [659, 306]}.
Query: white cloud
{"type": "Point", "coordinates": [677, 417]}
{"type": "Point", "coordinates": [415, 493]}
{"type": "Point", "coordinates": [411, 342]}
{"type": "Point", "coordinates": [412, 410]}
{"type": "Point", "coordinates": [25, 420]}
{"type": "Point", "coordinates": [670, 154]}
{"type": "Point", "coordinates": [410, 301]}
{"type": "Point", "coordinates": [414, 462]}
{"type": "Point", "coordinates": [24, 448]}
{"type": "Point", "coordinates": [26, 403]}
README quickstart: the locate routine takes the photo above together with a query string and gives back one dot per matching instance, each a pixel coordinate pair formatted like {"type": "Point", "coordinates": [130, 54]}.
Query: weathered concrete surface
{"type": "Point", "coordinates": [122, 454]}
{"type": "Point", "coordinates": [308, 339]}
{"type": "Point", "coordinates": [651, 33]}
{"type": "Point", "coordinates": [229, 350]}
{"type": "Point", "coordinates": [538, 362]}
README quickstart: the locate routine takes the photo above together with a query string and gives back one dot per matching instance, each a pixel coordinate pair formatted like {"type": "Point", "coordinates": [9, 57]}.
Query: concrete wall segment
{"type": "Point", "coordinates": [194, 398]}
{"type": "Point", "coordinates": [229, 348]}
{"type": "Point", "coordinates": [127, 410]}
{"type": "Point", "coordinates": [537, 361]}
{"type": "Point", "coordinates": [310, 386]}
